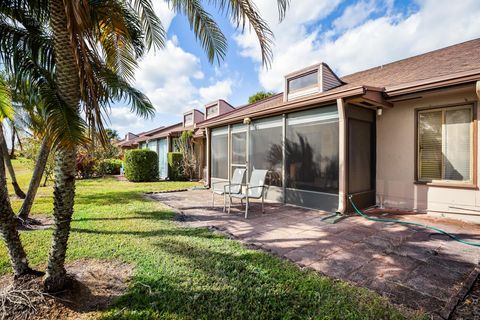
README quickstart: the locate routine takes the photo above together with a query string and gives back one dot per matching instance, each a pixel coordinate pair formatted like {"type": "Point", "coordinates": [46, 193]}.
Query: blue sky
{"type": "Point", "coordinates": [347, 35]}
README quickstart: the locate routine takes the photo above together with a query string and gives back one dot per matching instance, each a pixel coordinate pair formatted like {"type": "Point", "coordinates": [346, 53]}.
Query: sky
{"type": "Point", "coordinates": [347, 35]}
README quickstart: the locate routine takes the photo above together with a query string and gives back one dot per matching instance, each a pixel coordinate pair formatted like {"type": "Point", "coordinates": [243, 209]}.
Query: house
{"type": "Point", "coordinates": [131, 139]}
{"type": "Point", "coordinates": [402, 135]}
{"type": "Point", "coordinates": [163, 140]}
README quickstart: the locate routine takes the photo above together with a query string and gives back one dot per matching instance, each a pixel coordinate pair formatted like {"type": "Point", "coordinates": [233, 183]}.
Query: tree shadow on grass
{"type": "Point", "coordinates": [205, 282]}
{"type": "Point", "coordinates": [109, 198]}
{"type": "Point", "coordinates": [160, 232]}
{"type": "Point", "coordinates": [139, 215]}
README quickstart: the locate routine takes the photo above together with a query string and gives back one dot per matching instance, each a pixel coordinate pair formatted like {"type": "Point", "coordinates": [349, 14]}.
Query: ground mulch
{"type": "Point", "coordinates": [469, 308]}
{"type": "Point", "coordinates": [93, 286]}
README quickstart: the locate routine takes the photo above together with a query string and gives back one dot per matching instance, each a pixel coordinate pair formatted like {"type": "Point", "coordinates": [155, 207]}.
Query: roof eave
{"type": "Point", "coordinates": [433, 83]}
{"type": "Point", "coordinates": [297, 104]}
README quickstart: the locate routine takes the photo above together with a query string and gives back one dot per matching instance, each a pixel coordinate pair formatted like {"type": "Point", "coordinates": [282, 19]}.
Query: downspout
{"type": "Point", "coordinates": [342, 157]}
{"type": "Point", "coordinates": [207, 174]}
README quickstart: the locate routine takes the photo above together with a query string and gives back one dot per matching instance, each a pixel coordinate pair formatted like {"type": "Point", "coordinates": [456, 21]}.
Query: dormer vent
{"type": "Point", "coordinates": [211, 111]}
{"type": "Point", "coordinates": [188, 119]}
{"type": "Point", "coordinates": [216, 108]}
{"type": "Point", "coordinates": [311, 80]}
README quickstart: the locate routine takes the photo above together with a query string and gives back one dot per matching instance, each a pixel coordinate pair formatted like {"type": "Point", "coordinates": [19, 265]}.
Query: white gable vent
{"type": "Point", "coordinates": [311, 80]}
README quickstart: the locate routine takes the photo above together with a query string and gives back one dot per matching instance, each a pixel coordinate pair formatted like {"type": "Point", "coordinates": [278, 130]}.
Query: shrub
{"type": "Point", "coordinates": [109, 166]}
{"type": "Point", "coordinates": [86, 164]}
{"type": "Point", "coordinates": [175, 171]}
{"type": "Point", "coordinates": [141, 165]}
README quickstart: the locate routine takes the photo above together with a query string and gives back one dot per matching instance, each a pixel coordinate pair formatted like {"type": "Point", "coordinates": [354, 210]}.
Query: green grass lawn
{"type": "Point", "coordinates": [185, 273]}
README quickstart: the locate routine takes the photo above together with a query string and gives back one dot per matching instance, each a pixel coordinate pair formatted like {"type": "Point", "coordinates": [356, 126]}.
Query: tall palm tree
{"type": "Point", "coordinates": [7, 113]}
{"type": "Point", "coordinates": [8, 229]}
{"type": "Point", "coordinates": [96, 44]}
{"type": "Point", "coordinates": [31, 117]}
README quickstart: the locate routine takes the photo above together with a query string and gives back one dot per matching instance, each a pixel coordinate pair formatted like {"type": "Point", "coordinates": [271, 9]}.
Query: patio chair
{"type": "Point", "coordinates": [255, 189]}
{"type": "Point", "coordinates": [234, 187]}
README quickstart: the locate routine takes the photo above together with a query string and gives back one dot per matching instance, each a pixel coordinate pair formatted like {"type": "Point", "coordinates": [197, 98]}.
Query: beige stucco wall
{"type": "Point", "coordinates": [396, 162]}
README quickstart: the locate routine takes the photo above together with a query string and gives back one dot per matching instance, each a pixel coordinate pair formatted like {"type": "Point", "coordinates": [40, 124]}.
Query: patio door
{"type": "Point", "coordinates": [162, 158]}
{"type": "Point", "coordinates": [239, 148]}
{"type": "Point", "coordinates": [361, 156]}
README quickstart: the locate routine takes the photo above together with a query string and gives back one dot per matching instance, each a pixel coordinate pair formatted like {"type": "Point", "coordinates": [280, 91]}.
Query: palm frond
{"type": "Point", "coordinates": [204, 27]}
{"type": "Point", "coordinates": [6, 108]}
{"type": "Point", "coordinates": [119, 90]}
{"type": "Point", "coordinates": [151, 24]}
{"type": "Point", "coordinates": [16, 39]}
{"type": "Point", "coordinates": [244, 11]}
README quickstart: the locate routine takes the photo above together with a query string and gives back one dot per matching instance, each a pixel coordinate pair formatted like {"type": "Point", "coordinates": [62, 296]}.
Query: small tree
{"type": "Point", "coordinates": [260, 95]}
{"type": "Point", "coordinates": [189, 161]}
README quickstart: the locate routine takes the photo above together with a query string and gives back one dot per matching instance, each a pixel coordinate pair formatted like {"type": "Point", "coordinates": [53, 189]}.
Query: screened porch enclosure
{"type": "Point", "coordinates": [300, 151]}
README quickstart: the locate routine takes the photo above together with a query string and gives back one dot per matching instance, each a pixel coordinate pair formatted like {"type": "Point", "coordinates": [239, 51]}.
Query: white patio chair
{"type": "Point", "coordinates": [234, 187]}
{"type": "Point", "coordinates": [255, 189]}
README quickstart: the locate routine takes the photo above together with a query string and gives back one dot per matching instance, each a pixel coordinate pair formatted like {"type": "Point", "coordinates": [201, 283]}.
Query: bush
{"type": "Point", "coordinates": [175, 171]}
{"type": "Point", "coordinates": [109, 167]}
{"type": "Point", "coordinates": [141, 165]}
{"type": "Point", "coordinates": [86, 164]}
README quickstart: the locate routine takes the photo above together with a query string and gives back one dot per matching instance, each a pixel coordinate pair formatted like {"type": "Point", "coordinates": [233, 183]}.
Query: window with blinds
{"type": "Point", "coordinates": [445, 144]}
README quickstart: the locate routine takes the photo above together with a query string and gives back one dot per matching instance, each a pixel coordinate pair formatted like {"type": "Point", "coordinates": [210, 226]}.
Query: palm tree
{"type": "Point", "coordinates": [32, 117]}
{"type": "Point", "coordinates": [8, 229]}
{"type": "Point", "coordinates": [96, 45]}
{"type": "Point", "coordinates": [7, 113]}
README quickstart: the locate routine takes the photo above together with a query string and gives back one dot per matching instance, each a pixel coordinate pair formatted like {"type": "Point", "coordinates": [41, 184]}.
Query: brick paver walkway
{"type": "Point", "coordinates": [410, 265]}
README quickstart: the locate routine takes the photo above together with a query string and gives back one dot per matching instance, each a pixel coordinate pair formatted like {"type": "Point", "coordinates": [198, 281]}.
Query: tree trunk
{"type": "Point", "coordinates": [45, 181]}
{"type": "Point", "coordinates": [8, 228]}
{"type": "Point", "coordinates": [64, 185]}
{"type": "Point", "coordinates": [19, 141]}
{"type": "Point", "coordinates": [64, 194]}
{"type": "Point", "coordinates": [8, 163]}
{"type": "Point", "coordinates": [36, 179]}
{"type": "Point", "coordinates": [12, 152]}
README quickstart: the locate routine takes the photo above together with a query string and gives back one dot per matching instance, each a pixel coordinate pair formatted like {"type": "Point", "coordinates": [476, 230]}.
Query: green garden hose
{"type": "Point", "coordinates": [411, 223]}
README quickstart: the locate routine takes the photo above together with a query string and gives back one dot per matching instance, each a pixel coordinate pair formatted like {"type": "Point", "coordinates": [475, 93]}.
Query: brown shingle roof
{"type": "Point", "coordinates": [458, 58]}
{"type": "Point", "coordinates": [454, 60]}
{"type": "Point", "coordinates": [165, 132]}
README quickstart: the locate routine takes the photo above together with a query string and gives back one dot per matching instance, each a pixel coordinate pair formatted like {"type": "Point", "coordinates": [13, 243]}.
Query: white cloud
{"type": "Point", "coordinates": [163, 11]}
{"type": "Point", "coordinates": [355, 14]}
{"type": "Point", "coordinates": [354, 42]}
{"type": "Point", "coordinates": [168, 77]}
{"type": "Point", "coordinates": [217, 90]}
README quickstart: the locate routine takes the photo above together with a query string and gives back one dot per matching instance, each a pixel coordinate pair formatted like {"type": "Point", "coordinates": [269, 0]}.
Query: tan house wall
{"type": "Point", "coordinates": [396, 143]}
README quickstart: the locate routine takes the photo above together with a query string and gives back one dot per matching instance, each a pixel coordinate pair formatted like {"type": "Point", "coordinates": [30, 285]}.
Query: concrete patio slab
{"type": "Point", "coordinates": [410, 265]}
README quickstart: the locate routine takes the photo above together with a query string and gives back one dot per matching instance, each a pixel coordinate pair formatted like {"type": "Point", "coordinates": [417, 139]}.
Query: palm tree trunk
{"type": "Point", "coordinates": [64, 186]}
{"type": "Point", "coordinates": [8, 228]}
{"type": "Point", "coordinates": [64, 194]}
{"type": "Point", "coordinates": [12, 152]}
{"type": "Point", "coordinates": [36, 179]}
{"type": "Point", "coordinates": [8, 163]}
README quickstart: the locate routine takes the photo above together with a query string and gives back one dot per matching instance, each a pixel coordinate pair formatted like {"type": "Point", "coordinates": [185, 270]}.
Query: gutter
{"type": "Point", "coordinates": [433, 83]}
{"type": "Point", "coordinates": [295, 105]}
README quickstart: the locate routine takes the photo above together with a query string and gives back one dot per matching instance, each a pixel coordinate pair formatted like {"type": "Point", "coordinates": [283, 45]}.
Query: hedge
{"type": "Point", "coordinates": [175, 171]}
{"type": "Point", "coordinates": [141, 165]}
{"type": "Point", "coordinates": [109, 166]}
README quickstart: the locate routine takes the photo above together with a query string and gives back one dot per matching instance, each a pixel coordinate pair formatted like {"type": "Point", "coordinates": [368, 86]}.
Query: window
{"type": "Point", "coordinates": [188, 119]}
{"type": "Point", "coordinates": [219, 153]}
{"type": "Point", "coordinates": [311, 150]}
{"type": "Point", "coordinates": [303, 82]}
{"type": "Point", "coordinates": [212, 111]}
{"type": "Point", "coordinates": [266, 148]}
{"type": "Point", "coordinates": [445, 144]}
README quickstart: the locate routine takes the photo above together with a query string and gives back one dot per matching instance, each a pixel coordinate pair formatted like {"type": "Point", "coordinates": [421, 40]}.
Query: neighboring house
{"type": "Point", "coordinates": [165, 139]}
{"type": "Point", "coordinates": [402, 135]}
